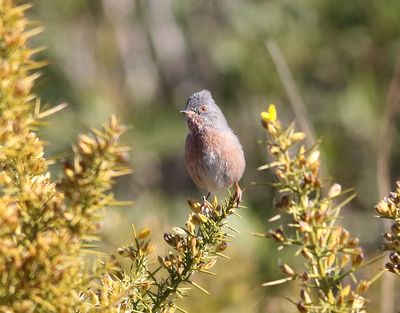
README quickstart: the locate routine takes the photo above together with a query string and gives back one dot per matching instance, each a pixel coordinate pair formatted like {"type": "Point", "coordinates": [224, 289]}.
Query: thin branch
{"type": "Point", "coordinates": [294, 96]}
{"type": "Point", "coordinates": [291, 89]}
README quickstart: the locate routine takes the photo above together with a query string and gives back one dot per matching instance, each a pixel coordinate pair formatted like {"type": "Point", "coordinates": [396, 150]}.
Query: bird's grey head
{"type": "Point", "coordinates": [201, 112]}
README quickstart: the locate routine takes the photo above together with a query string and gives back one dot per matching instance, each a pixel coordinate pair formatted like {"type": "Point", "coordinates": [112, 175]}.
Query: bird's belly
{"type": "Point", "coordinates": [215, 167]}
{"type": "Point", "coordinates": [216, 162]}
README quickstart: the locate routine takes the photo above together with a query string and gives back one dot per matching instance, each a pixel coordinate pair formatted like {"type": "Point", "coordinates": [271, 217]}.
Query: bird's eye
{"type": "Point", "coordinates": [203, 109]}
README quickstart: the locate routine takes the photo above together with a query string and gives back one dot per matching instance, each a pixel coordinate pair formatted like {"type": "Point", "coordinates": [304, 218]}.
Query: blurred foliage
{"type": "Point", "coordinates": [142, 59]}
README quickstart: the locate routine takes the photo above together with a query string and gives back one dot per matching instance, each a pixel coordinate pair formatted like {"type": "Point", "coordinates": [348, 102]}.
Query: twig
{"type": "Point", "coordinates": [293, 94]}
{"type": "Point", "coordinates": [291, 89]}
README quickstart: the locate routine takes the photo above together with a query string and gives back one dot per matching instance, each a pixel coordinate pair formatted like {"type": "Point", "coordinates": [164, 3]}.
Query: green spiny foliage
{"type": "Point", "coordinates": [329, 252]}
{"type": "Point", "coordinates": [389, 208]}
{"type": "Point", "coordinates": [144, 288]}
{"type": "Point", "coordinates": [36, 265]}
{"type": "Point", "coordinates": [95, 164]}
{"type": "Point", "coordinates": [42, 227]}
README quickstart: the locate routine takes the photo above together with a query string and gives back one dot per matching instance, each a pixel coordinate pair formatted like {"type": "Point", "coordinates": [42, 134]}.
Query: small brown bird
{"type": "Point", "coordinates": [213, 154]}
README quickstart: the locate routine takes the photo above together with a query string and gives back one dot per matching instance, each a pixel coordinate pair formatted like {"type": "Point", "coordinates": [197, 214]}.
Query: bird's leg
{"type": "Point", "coordinates": [205, 198]}
{"type": "Point", "coordinates": [238, 194]}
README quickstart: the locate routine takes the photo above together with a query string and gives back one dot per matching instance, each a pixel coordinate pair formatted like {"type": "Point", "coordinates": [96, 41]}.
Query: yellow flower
{"type": "Point", "coordinates": [269, 116]}
{"type": "Point", "coordinates": [144, 233]}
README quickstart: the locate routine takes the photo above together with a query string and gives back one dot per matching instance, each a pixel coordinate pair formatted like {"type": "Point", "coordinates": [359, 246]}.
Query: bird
{"type": "Point", "coordinates": [213, 154]}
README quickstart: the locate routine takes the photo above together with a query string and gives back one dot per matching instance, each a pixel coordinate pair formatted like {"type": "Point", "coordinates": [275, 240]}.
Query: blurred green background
{"type": "Point", "coordinates": [141, 59]}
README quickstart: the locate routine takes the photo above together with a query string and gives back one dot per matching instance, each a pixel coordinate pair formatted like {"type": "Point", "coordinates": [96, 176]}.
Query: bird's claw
{"type": "Point", "coordinates": [238, 195]}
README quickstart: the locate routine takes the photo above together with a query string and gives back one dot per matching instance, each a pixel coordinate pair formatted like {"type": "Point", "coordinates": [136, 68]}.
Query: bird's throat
{"type": "Point", "coordinates": [196, 124]}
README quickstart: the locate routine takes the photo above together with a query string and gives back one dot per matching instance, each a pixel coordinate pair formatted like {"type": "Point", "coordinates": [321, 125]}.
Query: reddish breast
{"type": "Point", "coordinates": [214, 159]}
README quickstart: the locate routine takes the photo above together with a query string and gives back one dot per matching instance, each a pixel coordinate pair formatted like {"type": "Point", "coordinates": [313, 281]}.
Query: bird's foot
{"type": "Point", "coordinates": [238, 194]}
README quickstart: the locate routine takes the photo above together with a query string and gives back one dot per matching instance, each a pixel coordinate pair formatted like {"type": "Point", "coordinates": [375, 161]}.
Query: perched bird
{"type": "Point", "coordinates": [213, 154]}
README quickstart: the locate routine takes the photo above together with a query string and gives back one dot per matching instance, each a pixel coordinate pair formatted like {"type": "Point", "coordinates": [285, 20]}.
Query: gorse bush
{"type": "Point", "coordinates": [330, 254]}
{"type": "Point", "coordinates": [39, 270]}
{"type": "Point", "coordinates": [145, 288]}
{"type": "Point", "coordinates": [44, 225]}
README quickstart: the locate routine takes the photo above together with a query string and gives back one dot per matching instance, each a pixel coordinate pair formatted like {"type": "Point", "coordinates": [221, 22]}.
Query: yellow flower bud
{"type": "Point", "coordinates": [144, 233]}
{"type": "Point", "coordinates": [270, 116]}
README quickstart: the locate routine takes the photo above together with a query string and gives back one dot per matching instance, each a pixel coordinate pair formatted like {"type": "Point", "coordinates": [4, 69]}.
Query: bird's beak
{"type": "Point", "coordinates": [186, 112]}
